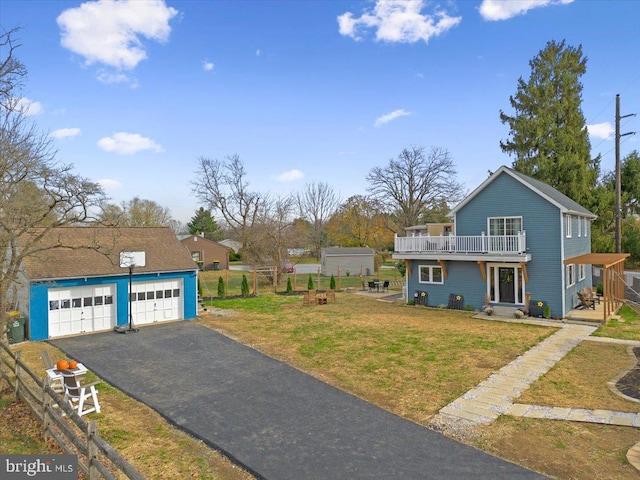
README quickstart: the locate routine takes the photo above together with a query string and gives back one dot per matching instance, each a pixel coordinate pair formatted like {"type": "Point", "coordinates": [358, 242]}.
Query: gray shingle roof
{"type": "Point", "coordinates": [348, 251]}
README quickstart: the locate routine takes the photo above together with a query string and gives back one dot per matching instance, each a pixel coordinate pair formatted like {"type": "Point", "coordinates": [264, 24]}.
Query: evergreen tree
{"type": "Point", "coordinates": [203, 222]}
{"type": "Point", "coordinates": [332, 282]}
{"type": "Point", "coordinates": [547, 133]}
{"type": "Point", "coordinates": [222, 291]}
{"type": "Point", "coordinates": [289, 285]}
{"type": "Point", "coordinates": [310, 283]}
{"type": "Point", "coordinates": [244, 287]}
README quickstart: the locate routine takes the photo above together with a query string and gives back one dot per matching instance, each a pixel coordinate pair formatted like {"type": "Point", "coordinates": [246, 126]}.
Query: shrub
{"type": "Point", "coordinates": [234, 257]}
{"type": "Point", "coordinates": [222, 289]}
{"type": "Point", "coordinates": [244, 287]}
{"type": "Point", "coordinates": [310, 285]}
{"type": "Point", "coordinates": [289, 285]}
{"type": "Point", "coordinates": [546, 312]}
{"type": "Point", "coordinates": [401, 267]}
{"type": "Point", "coordinates": [468, 307]}
{"type": "Point", "coordinates": [600, 289]}
{"type": "Point", "coordinates": [332, 282]}
{"type": "Point", "coordinates": [199, 287]}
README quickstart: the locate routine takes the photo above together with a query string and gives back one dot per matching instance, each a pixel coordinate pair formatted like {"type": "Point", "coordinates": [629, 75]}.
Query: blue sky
{"type": "Point", "coordinates": [133, 92]}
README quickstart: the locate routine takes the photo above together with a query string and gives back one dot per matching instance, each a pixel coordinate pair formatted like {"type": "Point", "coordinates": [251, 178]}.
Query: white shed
{"type": "Point", "coordinates": [350, 261]}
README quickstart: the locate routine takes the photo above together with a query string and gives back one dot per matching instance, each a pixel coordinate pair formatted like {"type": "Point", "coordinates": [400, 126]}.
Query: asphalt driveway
{"type": "Point", "coordinates": [272, 419]}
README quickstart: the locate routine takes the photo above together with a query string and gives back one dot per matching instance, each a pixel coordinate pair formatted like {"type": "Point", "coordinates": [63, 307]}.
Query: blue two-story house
{"type": "Point", "coordinates": [512, 238]}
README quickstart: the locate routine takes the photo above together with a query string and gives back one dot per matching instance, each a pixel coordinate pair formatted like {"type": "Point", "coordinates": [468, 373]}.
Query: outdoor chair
{"type": "Point", "coordinates": [331, 296]}
{"type": "Point", "coordinates": [385, 286]}
{"type": "Point", "coordinates": [82, 398]}
{"type": "Point", "coordinates": [309, 298]}
{"type": "Point", "coordinates": [372, 287]}
{"type": "Point", "coordinates": [57, 385]}
{"type": "Point", "coordinates": [585, 302]}
{"type": "Point", "coordinates": [591, 295]}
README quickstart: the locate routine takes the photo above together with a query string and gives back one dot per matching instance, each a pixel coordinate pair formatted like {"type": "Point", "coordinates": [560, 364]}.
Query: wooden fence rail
{"type": "Point", "coordinates": [96, 458]}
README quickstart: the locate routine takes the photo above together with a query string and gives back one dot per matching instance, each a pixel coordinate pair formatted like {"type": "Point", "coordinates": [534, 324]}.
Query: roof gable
{"type": "Point", "coordinates": [190, 239]}
{"type": "Point", "coordinates": [550, 194]}
{"type": "Point", "coordinates": [70, 252]}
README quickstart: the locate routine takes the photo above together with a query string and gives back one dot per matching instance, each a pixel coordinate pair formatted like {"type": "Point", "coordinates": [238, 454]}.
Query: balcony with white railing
{"type": "Point", "coordinates": [462, 245]}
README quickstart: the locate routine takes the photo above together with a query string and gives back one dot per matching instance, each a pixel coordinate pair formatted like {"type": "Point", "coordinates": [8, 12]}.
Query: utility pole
{"type": "Point", "coordinates": [618, 175]}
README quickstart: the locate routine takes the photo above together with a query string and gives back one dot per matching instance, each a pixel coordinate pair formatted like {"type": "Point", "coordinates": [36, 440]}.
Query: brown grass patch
{"type": "Point", "coordinates": [566, 450]}
{"type": "Point", "coordinates": [580, 379]}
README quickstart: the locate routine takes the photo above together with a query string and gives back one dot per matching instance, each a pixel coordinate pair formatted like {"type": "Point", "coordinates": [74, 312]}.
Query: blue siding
{"type": "Point", "coordinates": [39, 301]}
{"type": "Point", "coordinates": [542, 222]}
{"type": "Point", "coordinates": [574, 246]}
{"type": "Point", "coordinates": [463, 278]}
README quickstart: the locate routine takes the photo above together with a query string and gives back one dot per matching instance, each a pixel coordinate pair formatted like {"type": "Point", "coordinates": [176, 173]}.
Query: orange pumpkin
{"type": "Point", "coordinates": [62, 365]}
{"type": "Point", "coordinates": [73, 364]}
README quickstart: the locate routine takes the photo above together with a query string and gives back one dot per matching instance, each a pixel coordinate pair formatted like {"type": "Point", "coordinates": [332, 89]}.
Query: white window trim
{"type": "Point", "coordinates": [504, 222]}
{"type": "Point", "coordinates": [571, 275]}
{"type": "Point", "coordinates": [567, 226]}
{"type": "Point", "coordinates": [582, 272]}
{"type": "Point", "coordinates": [579, 226]}
{"type": "Point", "coordinates": [430, 281]}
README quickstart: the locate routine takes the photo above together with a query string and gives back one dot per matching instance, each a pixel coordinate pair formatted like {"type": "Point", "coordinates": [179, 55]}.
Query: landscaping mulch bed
{"type": "Point", "coordinates": [630, 383]}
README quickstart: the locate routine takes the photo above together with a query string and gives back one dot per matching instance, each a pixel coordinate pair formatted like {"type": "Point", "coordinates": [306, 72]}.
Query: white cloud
{"type": "Point", "coordinates": [65, 133]}
{"type": "Point", "coordinates": [390, 116]}
{"type": "Point", "coordinates": [110, 31]}
{"type": "Point", "coordinates": [128, 143]}
{"type": "Point", "coordinates": [112, 77]}
{"type": "Point", "coordinates": [258, 52]}
{"type": "Point", "coordinates": [289, 176]}
{"type": "Point", "coordinates": [109, 184]}
{"type": "Point", "coordinates": [28, 107]}
{"type": "Point", "coordinates": [601, 130]}
{"type": "Point", "coordinates": [494, 10]}
{"type": "Point", "coordinates": [398, 21]}
{"type": "Point", "coordinates": [207, 66]}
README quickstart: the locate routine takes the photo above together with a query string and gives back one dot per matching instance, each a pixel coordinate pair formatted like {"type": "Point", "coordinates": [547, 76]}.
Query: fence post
{"type": "Point", "coordinates": [46, 404]}
{"type": "Point", "coordinates": [92, 450]}
{"type": "Point", "coordinates": [338, 287]}
{"type": "Point", "coordinates": [318, 278]}
{"type": "Point", "coordinates": [17, 373]}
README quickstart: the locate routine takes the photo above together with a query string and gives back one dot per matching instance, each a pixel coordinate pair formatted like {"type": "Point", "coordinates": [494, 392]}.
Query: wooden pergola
{"type": "Point", "coordinates": [612, 277]}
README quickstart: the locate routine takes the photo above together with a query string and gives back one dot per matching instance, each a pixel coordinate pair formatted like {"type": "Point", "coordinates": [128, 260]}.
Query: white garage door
{"type": "Point", "coordinates": [156, 301]}
{"type": "Point", "coordinates": [81, 309]}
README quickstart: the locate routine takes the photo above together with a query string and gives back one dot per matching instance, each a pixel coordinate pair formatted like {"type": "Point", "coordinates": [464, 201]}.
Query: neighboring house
{"type": "Point", "coordinates": [349, 261]}
{"type": "Point", "coordinates": [515, 238]}
{"type": "Point", "coordinates": [433, 229]}
{"type": "Point", "coordinates": [209, 255]}
{"type": "Point", "coordinates": [232, 244]}
{"type": "Point", "coordinates": [79, 286]}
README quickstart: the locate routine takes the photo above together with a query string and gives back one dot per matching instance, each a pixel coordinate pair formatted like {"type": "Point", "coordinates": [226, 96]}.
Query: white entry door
{"type": "Point", "coordinates": [81, 309]}
{"type": "Point", "coordinates": [156, 301]}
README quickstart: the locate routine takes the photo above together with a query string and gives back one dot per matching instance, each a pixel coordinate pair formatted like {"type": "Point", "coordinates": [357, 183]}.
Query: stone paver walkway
{"type": "Point", "coordinates": [495, 395]}
{"type": "Point", "coordinates": [607, 417]}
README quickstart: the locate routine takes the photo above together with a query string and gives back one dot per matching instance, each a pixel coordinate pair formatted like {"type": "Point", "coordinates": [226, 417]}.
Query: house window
{"type": "Point", "coordinates": [581, 272]}
{"type": "Point", "coordinates": [571, 275]}
{"type": "Point", "coordinates": [430, 274]}
{"type": "Point", "coordinates": [195, 256]}
{"type": "Point", "coordinates": [568, 226]}
{"type": "Point", "coordinates": [505, 225]}
{"type": "Point", "coordinates": [579, 226]}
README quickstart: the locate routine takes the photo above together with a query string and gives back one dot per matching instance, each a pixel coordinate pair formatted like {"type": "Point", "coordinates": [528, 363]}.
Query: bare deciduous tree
{"type": "Point", "coordinates": [37, 193]}
{"type": "Point", "coordinates": [316, 203]}
{"type": "Point", "coordinates": [415, 183]}
{"type": "Point", "coordinates": [223, 188]}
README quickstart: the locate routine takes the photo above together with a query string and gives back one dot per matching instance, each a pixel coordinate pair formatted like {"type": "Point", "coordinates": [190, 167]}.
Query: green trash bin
{"type": "Point", "coordinates": [15, 328]}
{"type": "Point", "coordinates": [216, 265]}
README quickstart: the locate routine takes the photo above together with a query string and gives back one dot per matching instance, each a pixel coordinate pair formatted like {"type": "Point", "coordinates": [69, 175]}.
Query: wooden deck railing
{"type": "Point", "coordinates": [96, 458]}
